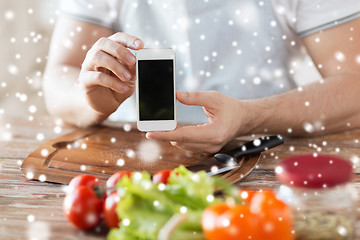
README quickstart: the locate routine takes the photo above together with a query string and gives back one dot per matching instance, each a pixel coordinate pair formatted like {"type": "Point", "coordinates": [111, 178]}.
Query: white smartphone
{"type": "Point", "coordinates": [155, 90]}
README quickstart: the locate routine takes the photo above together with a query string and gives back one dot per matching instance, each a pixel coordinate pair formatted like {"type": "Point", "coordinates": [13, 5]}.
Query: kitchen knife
{"type": "Point", "coordinates": [223, 162]}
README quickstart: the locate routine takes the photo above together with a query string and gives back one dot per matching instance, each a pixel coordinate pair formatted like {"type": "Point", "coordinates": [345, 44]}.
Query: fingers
{"type": "Point", "coordinates": [127, 40]}
{"type": "Point", "coordinates": [91, 78]}
{"type": "Point", "coordinates": [207, 99]}
{"type": "Point", "coordinates": [104, 60]}
{"type": "Point", "coordinates": [111, 53]}
{"type": "Point", "coordinates": [116, 50]}
{"type": "Point", "coordinates": [191, 134]}
{"type": "Point", "coordinates": [202, 148]}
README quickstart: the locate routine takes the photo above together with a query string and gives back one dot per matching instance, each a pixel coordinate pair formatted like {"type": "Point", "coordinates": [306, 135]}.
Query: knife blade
{"type": "Point", "coordinates": [226, 161]}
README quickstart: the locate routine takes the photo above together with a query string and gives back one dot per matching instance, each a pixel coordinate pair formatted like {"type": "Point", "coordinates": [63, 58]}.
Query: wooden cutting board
{"type": "Point", "coordinates": [105, 150]}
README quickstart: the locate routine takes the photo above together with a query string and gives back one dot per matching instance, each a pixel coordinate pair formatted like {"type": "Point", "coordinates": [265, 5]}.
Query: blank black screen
{"type": "Point", "coordinates": [156, 90]}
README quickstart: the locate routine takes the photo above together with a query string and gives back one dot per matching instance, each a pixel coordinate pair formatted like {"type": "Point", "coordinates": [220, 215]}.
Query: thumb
{"type": "Point", "coordinates": [198, 98]}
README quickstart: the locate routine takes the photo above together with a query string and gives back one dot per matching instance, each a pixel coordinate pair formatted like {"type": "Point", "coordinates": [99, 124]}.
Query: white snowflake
{"type": "Point", "coordinates": [340, 56]}
{"type": "Point", "coordinates": [44, 152]}
{"type": "Point", "coordinates": [358, 59]}
{"type": "Point", "coordinates": [183, 209]}
{"type": "Point", "coordinates": [308, 127]}
{"type": "Point", "coordinates": [273, 23]}
{"type": "Point", "coordinates": [13, 69]}
{"type": "Point", "coordinates": [257, 80]}
{"type": "Point", "coordinates": [31, 218]}
{"type": "Point", "coordinates": [42, 178]}
{"type": "Point", "coordinates": [126, 222]}
{"type": "Point", "coordinates": [40, 137]}
{"type": "Point", "coordinates": [32, 109]}
{"type": "Point", "coordinates": [130, 153]}
{"type": "Point", "coordinates": [127, 127]}
{"type": "Point", "coordinates": [9, 15]}
{"type": "Point", "coordinates": [57, 129]}
{"type": "Point", "coordinates": [257, 142]}
{"type": "Point", "coordinates": [149, 151]}
{"type": "Point", "coordinates": [120, 162]}
{"type": "Point", "coordinates": [30, 175]}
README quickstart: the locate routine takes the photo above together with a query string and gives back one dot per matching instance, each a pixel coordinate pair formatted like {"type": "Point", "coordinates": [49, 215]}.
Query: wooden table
{"type": "Point", "coordinates": [33, 209]}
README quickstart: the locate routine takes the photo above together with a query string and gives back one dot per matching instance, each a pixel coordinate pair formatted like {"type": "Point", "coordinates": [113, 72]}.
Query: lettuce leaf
{"type": "Point", "coordinates": [146, 207]}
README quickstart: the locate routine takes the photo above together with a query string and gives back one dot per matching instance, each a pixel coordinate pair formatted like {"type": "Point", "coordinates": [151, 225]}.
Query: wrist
{"type": "Point", "coordinates": [255, 116]}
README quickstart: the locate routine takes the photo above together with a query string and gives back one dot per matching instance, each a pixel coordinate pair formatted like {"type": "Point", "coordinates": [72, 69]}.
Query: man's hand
{"type": "Point", "coordinates": [85, 92]}
{"type": "Point", "coordinates": [108, 72]}
{"type": "Point", "coordinates": [225, 118]}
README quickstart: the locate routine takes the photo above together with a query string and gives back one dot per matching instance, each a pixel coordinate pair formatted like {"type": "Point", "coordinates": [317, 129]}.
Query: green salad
{"type": "Point", "coordinates": [151, 211]}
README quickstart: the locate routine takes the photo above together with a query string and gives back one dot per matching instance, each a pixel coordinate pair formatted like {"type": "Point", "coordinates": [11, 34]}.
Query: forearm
{"type": "Point", "coordinates": [323, 107]}
{"type": "Point", "coordinates": [65, 98]}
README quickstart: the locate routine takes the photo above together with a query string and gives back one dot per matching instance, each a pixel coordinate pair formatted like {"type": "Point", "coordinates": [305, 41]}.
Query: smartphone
{"type": "Point", "coordinates": [155, 90]}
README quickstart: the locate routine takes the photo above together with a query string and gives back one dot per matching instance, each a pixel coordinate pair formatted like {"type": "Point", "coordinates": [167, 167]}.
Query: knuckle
{"type": "Point", "coordinates": [218, 140]}
{"type": "Point", "coordinates": [97, 54]}
{"type": "Point", "coordinates": [101, 41]}
{"type": "Point", "coordinates": [118, 35]}
{"type": "Point", "coordinates": [112, 84]}
{"type": "Point", "coordinates": [119, 51]}
{"type": "Point", "coordinates": [97, 77]}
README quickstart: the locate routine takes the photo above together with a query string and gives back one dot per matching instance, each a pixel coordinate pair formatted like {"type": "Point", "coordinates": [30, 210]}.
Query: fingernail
{"type": "Point", "coordinates": [130, 59]}
{"type": "Point", "coordinates": [127, 75]}
{"type": "Point", "coordinates": [125, 88]}
{"type": "Point", "coordinates": [137, 43]}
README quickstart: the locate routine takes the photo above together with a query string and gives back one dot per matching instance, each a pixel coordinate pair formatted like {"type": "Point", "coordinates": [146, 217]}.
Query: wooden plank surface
{"type": "Point", "coordinates": [33, 209]}
{"type": "Point", "coordinates": [105, 150]}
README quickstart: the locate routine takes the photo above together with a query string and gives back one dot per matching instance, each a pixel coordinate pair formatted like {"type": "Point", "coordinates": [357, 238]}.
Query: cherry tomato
{"type": "Point", "coordinates": [83, 208]}
{"type": "Point", "coordinates": [231, 223]}
{"type": "Point", "coordinates": [113, 180]}
{"type": "Point", "coordinates": [110, 215]}
{"type": "Point", "coordinates": [161, 177]}
{"type": "Point", "coordinates": [87, 180]}
{"type": "Point", "coordinates": [275, 216]}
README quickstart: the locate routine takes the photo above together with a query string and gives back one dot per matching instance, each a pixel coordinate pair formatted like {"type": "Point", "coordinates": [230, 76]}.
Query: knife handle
{"type": "Point", "coordinates": [256, 146]}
